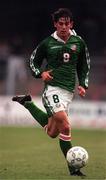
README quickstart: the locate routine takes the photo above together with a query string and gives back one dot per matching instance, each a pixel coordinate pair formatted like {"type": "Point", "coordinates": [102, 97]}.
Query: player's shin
{"type": "Point", "coordinates": [40, 116]}
{"type": "Point", "coordinates": [65, 145]}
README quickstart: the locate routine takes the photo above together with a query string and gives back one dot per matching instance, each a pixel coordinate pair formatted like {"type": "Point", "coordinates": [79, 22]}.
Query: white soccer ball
{"type": "Point", "coordinates": [77, 157]}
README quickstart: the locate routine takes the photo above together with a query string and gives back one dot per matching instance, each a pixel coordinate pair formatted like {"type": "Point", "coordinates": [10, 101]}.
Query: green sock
{"type": "Point", "coordinates": [65, 146]}
{"type": "Point", "coordinates": [40, 116]}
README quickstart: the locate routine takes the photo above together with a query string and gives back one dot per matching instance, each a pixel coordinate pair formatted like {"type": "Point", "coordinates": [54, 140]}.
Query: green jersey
{"type": "Point", "coordinates": [66, 60]}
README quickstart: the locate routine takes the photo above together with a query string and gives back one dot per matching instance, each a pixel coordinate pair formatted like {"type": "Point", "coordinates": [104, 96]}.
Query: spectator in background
{"type": "Point", "coordinates": [16, 70]}
{"type": "Point", "coordinates": [4, 53]}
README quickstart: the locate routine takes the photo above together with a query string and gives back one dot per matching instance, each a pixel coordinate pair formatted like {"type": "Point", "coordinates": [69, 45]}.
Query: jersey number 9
{"type": "Point", "coordinates": [66, 57]}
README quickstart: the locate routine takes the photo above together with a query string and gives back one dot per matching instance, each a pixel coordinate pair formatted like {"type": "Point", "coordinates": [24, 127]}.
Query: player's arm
{"type": "Point", "coordinates": [36, 60]}
{"type": "Point", "coordinates": [83, 68]}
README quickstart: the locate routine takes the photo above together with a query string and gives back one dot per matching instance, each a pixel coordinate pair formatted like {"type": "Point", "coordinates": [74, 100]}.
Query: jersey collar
{"type": "Point", "coordinates": [54, 35]}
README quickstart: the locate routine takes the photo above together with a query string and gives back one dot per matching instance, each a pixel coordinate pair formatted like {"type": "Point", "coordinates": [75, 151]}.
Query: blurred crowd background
{"type": "Point", "coordinates": [23, 24]}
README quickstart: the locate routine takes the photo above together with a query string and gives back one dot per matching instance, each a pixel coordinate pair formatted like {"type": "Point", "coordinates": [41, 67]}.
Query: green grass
{"type": "Point", "coordinates": [28, 153]}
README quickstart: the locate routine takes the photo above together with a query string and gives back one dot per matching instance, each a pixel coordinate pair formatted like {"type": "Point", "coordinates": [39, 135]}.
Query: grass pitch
{"type": "Point", "coordinates": [28, 153]}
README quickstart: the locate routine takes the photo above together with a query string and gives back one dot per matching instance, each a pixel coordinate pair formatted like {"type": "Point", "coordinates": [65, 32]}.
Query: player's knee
{"type": "Point", "coordinates": [65, 129]}
{"type": "Point", "coordinates": [52, 135]}
{"type": "Point", "coordinates": [63, 123]}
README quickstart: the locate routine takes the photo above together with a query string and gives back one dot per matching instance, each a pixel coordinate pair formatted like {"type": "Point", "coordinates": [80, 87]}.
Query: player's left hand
{"type": "Point", "coordinates": [46, 75]}
{"type": "Point", "coordinates": [81, 91]}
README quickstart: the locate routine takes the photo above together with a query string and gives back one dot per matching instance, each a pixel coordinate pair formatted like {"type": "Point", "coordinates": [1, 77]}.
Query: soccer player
{"type": "Point", "coordinates": [67, 56]}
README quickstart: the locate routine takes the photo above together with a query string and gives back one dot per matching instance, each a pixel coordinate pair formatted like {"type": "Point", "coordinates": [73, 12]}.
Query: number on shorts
{"type": "Point", "coordinates": [55, 98]}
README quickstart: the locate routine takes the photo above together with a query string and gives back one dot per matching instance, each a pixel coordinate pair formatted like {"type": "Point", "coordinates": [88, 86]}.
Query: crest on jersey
{"type": "Point", "coordinates": [73, 47]}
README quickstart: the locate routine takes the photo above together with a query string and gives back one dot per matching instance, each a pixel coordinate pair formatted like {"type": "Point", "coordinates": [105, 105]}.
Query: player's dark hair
{"type": "Point", "coordinates": [62, 12]}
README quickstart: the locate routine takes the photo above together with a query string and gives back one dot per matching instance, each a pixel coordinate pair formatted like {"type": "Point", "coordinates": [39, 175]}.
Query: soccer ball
{"type": "Point", "coordinates": [77, 157]}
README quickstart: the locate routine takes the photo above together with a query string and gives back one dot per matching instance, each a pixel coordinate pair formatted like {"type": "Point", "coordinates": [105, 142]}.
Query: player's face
{"type": "Point", "coordinates": [63, 25]}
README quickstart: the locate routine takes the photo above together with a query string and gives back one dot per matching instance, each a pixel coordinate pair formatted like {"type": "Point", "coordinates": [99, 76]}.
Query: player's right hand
{"type": "Point", "coordinates": [46, 76]}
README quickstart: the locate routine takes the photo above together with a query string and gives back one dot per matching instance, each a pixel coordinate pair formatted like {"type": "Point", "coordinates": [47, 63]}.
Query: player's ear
{"type": "Point", "coordinates": [55, 24]}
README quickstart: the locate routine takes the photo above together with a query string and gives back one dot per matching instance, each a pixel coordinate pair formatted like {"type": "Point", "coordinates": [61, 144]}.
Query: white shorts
{"type": "Point", "coordinates": [56, 99]}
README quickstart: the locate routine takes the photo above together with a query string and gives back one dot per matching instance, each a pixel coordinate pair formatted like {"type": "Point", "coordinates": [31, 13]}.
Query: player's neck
{"type": "Point", "coordinates": [64, 38]}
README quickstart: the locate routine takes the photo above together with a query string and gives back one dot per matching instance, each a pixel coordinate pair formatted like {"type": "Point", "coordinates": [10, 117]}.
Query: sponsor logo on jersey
{"type": "Point", "coordinates": [55, 47]}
